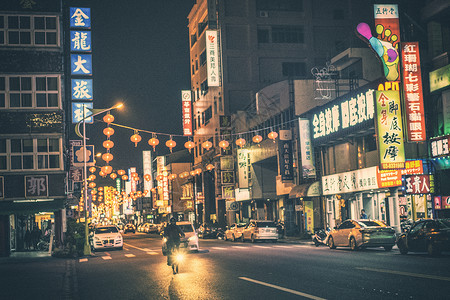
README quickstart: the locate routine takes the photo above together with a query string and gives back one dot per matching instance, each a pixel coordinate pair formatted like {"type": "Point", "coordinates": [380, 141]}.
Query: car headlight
{"type": "Point", "coordinates": [164, 240]}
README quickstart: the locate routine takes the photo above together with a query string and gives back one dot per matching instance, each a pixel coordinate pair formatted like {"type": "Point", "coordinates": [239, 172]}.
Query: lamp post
{"type": "Point", "coordinates": [95, 112]}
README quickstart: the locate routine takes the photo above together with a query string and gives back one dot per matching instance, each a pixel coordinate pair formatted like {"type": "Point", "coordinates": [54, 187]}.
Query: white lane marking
{"type": "Point", "coordinates": [282, 289]}
{"type": "Point", "coordinates": [125, 248]}
{"type": "Point", "coordinates": [106, 257]}
{"type": "Point", "coordinates": [406, 274]}
{"type": "Point", "coordinates": [83, 260]}
{"type": "Point", "coordinates": [152, 253]}
{"type": "Point", "coordinates": [130, 255]}
{"type": "Point", "coordinates": [142, 249]}
{"type": "Point", "coordinates": [278, 246]}
{"type": "Point", "coordinates": [302, 246]}
{"type": "Point", "coordinates": [219, 248]}
{"type": "Point", "coordinates": [265, 247]}
{"type": "Point", "coordinates": [240, 247]}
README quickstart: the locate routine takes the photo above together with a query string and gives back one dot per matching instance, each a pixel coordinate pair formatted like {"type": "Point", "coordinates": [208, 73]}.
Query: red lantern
{"type": "Point", "coordinates": [153, 142]}
{"type": "Point", "coordinates": [159, 177]}
{"type": "Point", "coordinates": [147, 177]}
{"type": "Point", "coordinates": [100, 189]}
{"type": "Point", "coordinates": [101, 173]}
{"type": "Point", "coordinates": [153, 190]}
{"type": "Point", "coordinates": [224, 144]}
{"type": "Point", "coordinates": [172, 176]}
{"type": "Point", "coordinates": [108, 118]}
{"type": "Point", "coordinates": [192, 173]}
{"type": "Point", "coordinates": [272, 135]}
{"type": "Point", "coordinates": [209, 167]}
{"type": "Point", "coordinates": [92, 169]}
{"type": "Point", "coordinates": [121, 172]}
{"type": "Point", "coordinates": [92, 185]}
{"type": "Point", "coordinates": [170, 144]}
{"type": "Point", "coordinates": [240, 142]}
{"type": "Point", "coordinates": [107, 157]}
{"type": "Point", "coordinates": [257, 139]}
{"type": "Point", "coordinates": [113, 175]}
{"type": "Point", "coordinates": [207, 145]}
{"type": "Point", "coordinates": [108, 144]}
{"type": "Point", "coordinates": [136, 138]}
{"type": "Point", "coordinates": [189, 145]}
{"type": "Point", "coordinates": [125, 177]}
{"type": "Point", "coordinates": [92, 177]}
{"type": "Point", "coordinates": [108, 131]}
{"type": "Point", "coordinates": [107, 169]}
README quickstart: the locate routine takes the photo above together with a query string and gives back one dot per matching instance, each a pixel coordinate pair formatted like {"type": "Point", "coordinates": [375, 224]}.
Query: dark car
{"type": "Point", "coordinates": [129, 228]}
{"type": "Point", "coordinates": [426, 235]}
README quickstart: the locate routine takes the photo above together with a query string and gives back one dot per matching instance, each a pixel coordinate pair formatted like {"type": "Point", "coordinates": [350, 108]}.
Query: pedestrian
{"type": "Point", "coordinates": [28, 239]}
{"type": "Point", "coordinates": [35, 237]}
{"type": "Point", "coordinates": [363, 214]}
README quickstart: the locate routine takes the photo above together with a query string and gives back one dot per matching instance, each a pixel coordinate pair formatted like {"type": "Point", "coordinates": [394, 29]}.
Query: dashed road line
{"type": "Point", "coordinates": [130, 255]}
{"type": "Point", "coordinates": [83, 260]}
{"type": "Point", "coordinates": [219, 248]}
{"type": "Point", "coordinates": [105, 257]}
{"type": "Point", "coordinates": [282, 289]}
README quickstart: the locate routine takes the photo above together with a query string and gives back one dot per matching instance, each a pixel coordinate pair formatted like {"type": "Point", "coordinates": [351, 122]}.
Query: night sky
{"type": "Point", "coordinates": [140, 57]}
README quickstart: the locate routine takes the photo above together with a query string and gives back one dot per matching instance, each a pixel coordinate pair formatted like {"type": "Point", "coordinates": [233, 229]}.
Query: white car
{"type": "Point", "coordinates": [258, 230]}
{"type": "Point", "coordinates": [190, 239]}
{"type": "Point", "coordinates": [106, 237]}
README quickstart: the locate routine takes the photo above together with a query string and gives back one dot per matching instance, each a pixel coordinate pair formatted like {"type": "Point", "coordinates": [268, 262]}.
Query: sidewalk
{"type": "Point", "coordinates": [35, 275]}
{"type": "Point", "coordinates": [295, 240]}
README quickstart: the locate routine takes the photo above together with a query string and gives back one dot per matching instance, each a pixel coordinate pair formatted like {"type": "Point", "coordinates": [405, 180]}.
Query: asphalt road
{"type": "Point", "coordinates": [226, 270]}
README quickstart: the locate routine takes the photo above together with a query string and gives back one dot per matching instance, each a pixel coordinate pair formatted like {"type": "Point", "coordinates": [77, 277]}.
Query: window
{"type": "Point", "coordinates": [263, 35]}
{"type": "Point", "coordinates": [29, 30]}
{"type": "Point", "coordinates": [23, 153]}
{"type": "Point", "coordinates": [287, 34]}
{"type": "Point", "coordinates": [292, 69]}
{"type": "Point", "coordinates": [204, 87]}
{"type": "Point", "coordinates": [193, 39]}
{"type": "Point", "coordinates": [29, 91]}
{"type": "Point", "coordinates": [208, 115]}
{"type": "Point", "coordinates": [201, 27]}
{"type": "Point", "coordinates": [203, 58]}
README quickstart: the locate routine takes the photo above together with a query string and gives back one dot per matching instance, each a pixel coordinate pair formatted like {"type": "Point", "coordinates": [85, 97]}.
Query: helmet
{"type": "Point", "coordinates": [172, 220]}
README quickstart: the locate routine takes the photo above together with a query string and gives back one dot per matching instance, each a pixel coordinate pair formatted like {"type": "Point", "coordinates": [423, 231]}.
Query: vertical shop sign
{"type": "Point", "coordinates": [390, 130]}
{"type": "Point", "coordinates": [412, 86]}
{"type": "Point", "coordinates": [418, 184]}
{"type": "Point", "coordinates": [82, 89]}
{"type": "Point", "coordinates": [242, 157]}
{"type": "Point", "coordinates": [437, 202]}
{"type": "Point", "coordinates": [147, 168]}
{"type": "Point", "coordinates": [306, 150]}
{"type": "Point", "coordinates": [165, 186]}
{"type": "Point", "coordinates": [445, 202]}
{"type": "Point", "coordinates": [186, 112]}
{"type": "Point", "coordinates": [285, 156]}
{"type": "Point", "coordinates": [212, 58]}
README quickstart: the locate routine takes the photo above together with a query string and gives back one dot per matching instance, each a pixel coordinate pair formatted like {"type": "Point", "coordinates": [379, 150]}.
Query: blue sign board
{"type": "Point", "coordinates": [78, 155]}
{"type": "Point", "coordinates": [81, 64]}
{"type": "Point", "coordinates": [80, 17]}
{"type": "Point", "coordinates": [81, 110]}
{"type": "Point", "coordinates": [82, 89]}
{"type": "Point", "coordinates": [80, 41]}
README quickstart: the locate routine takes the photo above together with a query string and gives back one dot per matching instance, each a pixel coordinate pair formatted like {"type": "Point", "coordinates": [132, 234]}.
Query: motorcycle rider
{"type": "Point", "coordinates": [172, 233]}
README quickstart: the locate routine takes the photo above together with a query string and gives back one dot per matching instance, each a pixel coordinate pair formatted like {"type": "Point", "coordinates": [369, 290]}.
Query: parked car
{"type": "Point", "coordinates": [207, 231]}
{"type": "Point", "coordinates": [260, 230]}
{"type": "Point", "coordinates": [190, 240]}
{"type": "Point", "coordinates": [234, 232]}
{"type": "Point", "coordinates": [151, 228]}
{"type": "Point", "coordinates": [362, 234]}
{"type": "Point", "coordinates": [428, 235]}
{"type": "Point", "coordinates": [129, 228]}
{"type": "Point", "coordinates": [106, 237]}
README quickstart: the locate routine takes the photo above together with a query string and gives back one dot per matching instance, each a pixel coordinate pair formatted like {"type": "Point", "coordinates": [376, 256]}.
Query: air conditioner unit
{"type": "Point", "coordinates": [263, 14]}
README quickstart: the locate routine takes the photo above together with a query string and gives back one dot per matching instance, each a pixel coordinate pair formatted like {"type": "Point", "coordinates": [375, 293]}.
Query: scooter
{"type": "Point", "coordinates": [320, 237]}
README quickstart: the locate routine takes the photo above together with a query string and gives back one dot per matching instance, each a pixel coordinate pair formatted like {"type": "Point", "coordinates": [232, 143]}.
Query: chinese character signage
{"type": "Point", "coordinates": [392, 178]}
{"type": "Point", "coordinates": [82, 110]}
{"type": "Point", "coordinates": [437, 202]}
{"type": "Point", "coordinates": [418, 184]}
{"type": "Point", "coordinates": [306, 150]}
{"type": "Point", "coordinates": [445, 202]}
{"type": "Point", "coordinates": [147, 168]}
{"type": "Point", "coordinates": [412, 87]}
{"type": "Point", "coordinates": [227, 177]}
{"type": "Point", "coordinates": [78, 155]}
{"type": "Point", "coordinates": [358, 180]}
{"type": "Point", "coordinates": [228, 192]}
{"type": "Point", "coordinates": [82, 89]}
{"type": "Point", "coordinates": [80, 41]}
{"type": "Point", "coordinates": [342, 116]}
{"type": "Point", "coordinates": [80, 17]}
{"type": "Point", "coordinates": [76, 174]}
{"type": "Point", "coordinates": [439, 78]}
{"type": "Point", "coordinates": [243, 166]}
{"type": "Point", "coordinates": [212, 58]}
{"type": "Point", "coordinates": [439, 146]}
{"type": "Point", "coordinates": [81, 64]}
{"type": "Point", "coordinates": [390, 130]}
{"type": "Point", "coordinates": [36, 186]}
{"type": "Point", "coordinates": [285, 156]}
{"type": "Point", "coordinates": [186, 112]}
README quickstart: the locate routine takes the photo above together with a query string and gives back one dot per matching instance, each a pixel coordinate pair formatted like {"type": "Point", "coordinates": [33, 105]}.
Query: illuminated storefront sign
{"type": "Point", "coordinates": [439, 146]}
{"type": "Point", "coordinates": [358, 180]}
{"type": "Point", "coordinates": [147, 168]}
{"type": "Point", "coordinates": [440, 78]}
{"type": "Point", "coordinates": [393, 178]}
{"type": "Point", "coordinates": [165, 186]}
{"type": "Point", "coordinates": [390, 130]}
{"type": "Point", "coordinates": [243, 164]}
{"type": "Point", "coordinates": [186, 112]}
{"type": "Point", "coordinates": [418, 184]}
{"type": "Point", "coordinates": [437, 202]}
{"type": "Point", "coordinates": [412, 88]}
{"type": "Point", "coordinates": [445, 202]}
{"type": "Point", "coordinates": [81, 110]}
{"type": "Point", "coordinates": [82, 89]}
{"type": "Point", "coordinates": [285, 153]}
{"type": "Point", "coordinates": [343, 115]}
{"type": "Point", "coordinates": [80, 41]}
{"type": "Point", "coordinates": [212, 58]}
{"type": "Point", "coordinates": [306, 150]}
{"type": "Point", "coordinates": [80, 17]}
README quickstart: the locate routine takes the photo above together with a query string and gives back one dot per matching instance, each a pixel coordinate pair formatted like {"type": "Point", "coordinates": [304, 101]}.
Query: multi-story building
{"type": "Point", "coordinates": [32, 139]}
{"type": "Point", "coordinates": [239, 47]}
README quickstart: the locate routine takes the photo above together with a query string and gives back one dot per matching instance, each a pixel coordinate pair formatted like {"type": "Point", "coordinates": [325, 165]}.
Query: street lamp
{"type": "Point", "coordinates": [95, 112]}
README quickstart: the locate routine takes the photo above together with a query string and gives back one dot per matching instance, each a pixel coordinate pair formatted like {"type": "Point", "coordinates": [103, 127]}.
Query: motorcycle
{"type": "Point", "coordinates": [320, 237]}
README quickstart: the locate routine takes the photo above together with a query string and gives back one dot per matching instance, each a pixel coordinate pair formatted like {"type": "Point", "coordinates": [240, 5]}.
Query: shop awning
{"type": "Point", "coordinates": [305, 190]}
{"type": "Point", "coordinates": [30, 207]}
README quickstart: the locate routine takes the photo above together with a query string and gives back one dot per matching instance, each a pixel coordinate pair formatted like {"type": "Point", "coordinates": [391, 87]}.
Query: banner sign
{"type": "Point", "coordinates": [243, 164]}
{"type": "Point", "coordinates": [437, 202]}
{"type": "Point", "coordinates": [418, 184]}
{"type": "Point", "coordinates": [412, 87]}
{"type": "Point", "coordinates": [358, 180]}
{"type": "Point", "coordinates": [306, 150]}
{"type": "Point", "coordinates": [439, 146]}
{"type": "Point", "coordinates": [343, 115]}
{"type": "Point", "coordinates": [393, 178]}
{"type": "Point", "coordinates": [439, 78]}
{"type": "Point", "coordinates": [186, 112]}
{"type": "Point", "coordinates": [390, 130]}
{"type": "Point", "coordinates": [147, 168]}
{"type": "Point", "coordinates": [286, 160]}
{"type": "Point", "coordinates": [212, 58]}
{"type": "Point", "coordinates": [445, 202]}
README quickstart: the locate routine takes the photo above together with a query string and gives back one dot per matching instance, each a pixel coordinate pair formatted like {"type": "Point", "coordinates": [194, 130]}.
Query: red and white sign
{"type": "Point", "coordinates": [418, 184]}
{"type": "Point", "coordinates": [391, 178]}
{"type": "Point", "coordinates": [186, 112]}
{"type": "Point", "coordinates": [445, 202]}
{"type": "Point", "coordinates": [437, 202]}
{"type": "Point", "coordinates": [412, 85]}
{"type": "Point", "coordinates": [439, 146]}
